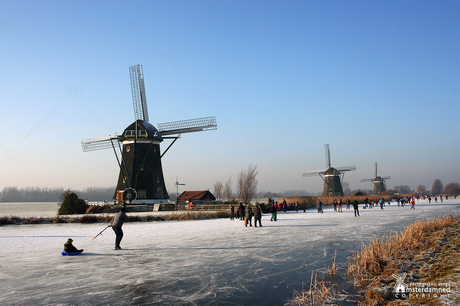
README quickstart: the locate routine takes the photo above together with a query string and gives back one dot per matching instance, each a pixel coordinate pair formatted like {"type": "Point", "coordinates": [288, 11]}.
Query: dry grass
{"type": "Point", "coordinates": [14, 220]}
{"type": "Point", "coordinates": [412, 251]}
{"type": "Point", "coordinates": [321, 292]}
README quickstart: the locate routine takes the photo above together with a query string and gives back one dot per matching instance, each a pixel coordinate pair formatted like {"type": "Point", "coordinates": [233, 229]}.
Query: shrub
{"type": "Point", "coordinates": [72, 204]}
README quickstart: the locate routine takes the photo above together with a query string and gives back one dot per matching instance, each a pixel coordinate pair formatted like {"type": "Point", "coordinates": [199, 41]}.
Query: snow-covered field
{"type": "Point", "coordinates": [205, 262]}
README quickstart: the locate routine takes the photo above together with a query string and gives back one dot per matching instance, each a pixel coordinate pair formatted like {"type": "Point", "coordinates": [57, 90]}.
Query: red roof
{"type": "Point", "coordinates": [196, 195]}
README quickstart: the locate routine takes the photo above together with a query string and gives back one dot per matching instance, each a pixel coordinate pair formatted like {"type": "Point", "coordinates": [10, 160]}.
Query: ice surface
{"type": "Point", "coordinates": [205, 262]}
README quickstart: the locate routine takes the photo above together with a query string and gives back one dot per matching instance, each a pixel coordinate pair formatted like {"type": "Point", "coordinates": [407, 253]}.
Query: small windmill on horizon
{"type": "Point", "coordinates": [379, 182]}
{"type": "Point", "coordinates": [332, 176]}
{"type": "Point", "coordinates": [137, 150]}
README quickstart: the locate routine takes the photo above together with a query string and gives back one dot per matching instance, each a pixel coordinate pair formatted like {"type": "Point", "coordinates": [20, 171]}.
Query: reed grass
{"type": "Point", "coordinates": [15, 220]}
{"type": "Point", "coordinates": [374, 264]}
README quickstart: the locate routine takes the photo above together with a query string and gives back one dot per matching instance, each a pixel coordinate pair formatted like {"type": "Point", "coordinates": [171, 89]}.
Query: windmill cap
{"type": "Point", "coordinates": [143, 126]}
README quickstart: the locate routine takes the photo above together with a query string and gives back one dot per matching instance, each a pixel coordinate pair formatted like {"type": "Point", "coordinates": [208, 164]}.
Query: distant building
{"type": "Point", "coordinates": [197, 197]}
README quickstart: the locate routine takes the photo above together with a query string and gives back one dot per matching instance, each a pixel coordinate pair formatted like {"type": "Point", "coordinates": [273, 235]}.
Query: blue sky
{"type": "Point", "coordinates": [377, 80]}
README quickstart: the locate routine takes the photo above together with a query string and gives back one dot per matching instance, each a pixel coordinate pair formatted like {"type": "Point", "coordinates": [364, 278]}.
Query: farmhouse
{"type": "Point", "coordinates": [197, 197]}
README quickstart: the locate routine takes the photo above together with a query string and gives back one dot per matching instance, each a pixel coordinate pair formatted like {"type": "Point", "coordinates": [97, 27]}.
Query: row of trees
{"type": "Point", "coordinates": [37, 194]}
{"type": "Point", "coordinates": [246, 186]}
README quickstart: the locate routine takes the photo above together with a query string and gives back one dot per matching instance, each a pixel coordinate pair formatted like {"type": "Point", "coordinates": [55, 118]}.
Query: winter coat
{"type": "Point", "coordinates": [355, 204]}
{"type": "Point", "coordinates": [119, 218]}
{"type": "Point", "coordinates": [68, 247]}
{"type": "Point", "coordinates": [248, 213]}
{"type": "Point", "coordinates": [257, 212]}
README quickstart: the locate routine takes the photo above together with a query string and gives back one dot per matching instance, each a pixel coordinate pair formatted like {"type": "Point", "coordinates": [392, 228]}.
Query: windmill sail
{"type": "Point", "coordinates": [328, 155]}
{"type": "Point", "coordinates": [138, 92]}
{"type": "Point", "coordinates": [99, 143]}
{"type": "Point", "coordinates": [346, 168]}
{"type": "Point", "coordinates": [187, 126]}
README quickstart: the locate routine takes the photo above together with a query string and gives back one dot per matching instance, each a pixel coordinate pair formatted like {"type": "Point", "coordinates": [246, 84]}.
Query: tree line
{"type": "Point", "coordinates": [37, 194]}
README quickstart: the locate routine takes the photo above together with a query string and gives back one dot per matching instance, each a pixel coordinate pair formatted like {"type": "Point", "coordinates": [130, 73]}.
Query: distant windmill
{"type": "Point", "coordinates": [332, 176]}
{"type": "Point", "coordinates": [379, 182]}
{"type": "Point", "coordinates": [141, 173]}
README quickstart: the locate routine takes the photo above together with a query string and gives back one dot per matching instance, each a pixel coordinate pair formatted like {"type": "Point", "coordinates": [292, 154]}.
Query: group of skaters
{"type": "Point", "coordinates": [249, 211]}
{"type": "Point", "coordinates": [338, 206]}
{"type": "Point", "coordinates": [246, 213]}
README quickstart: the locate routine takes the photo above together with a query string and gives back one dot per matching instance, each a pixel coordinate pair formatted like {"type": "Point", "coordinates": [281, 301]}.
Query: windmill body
{"type": "Point", "coordinates": [141, 162]}
{"type": "Point", "coordinates": [332, 176]}
{"type": "Point", "coordinates": [138, 149]}
{"type": "Point", "coordinates": [378, 181]}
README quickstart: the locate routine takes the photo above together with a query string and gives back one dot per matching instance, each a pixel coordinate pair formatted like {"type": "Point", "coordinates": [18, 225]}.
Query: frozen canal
{"type": "Point", "coordinates": [189, 262]}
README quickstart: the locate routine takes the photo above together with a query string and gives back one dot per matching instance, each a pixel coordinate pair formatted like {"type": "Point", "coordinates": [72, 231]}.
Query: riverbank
{"type": "Point", "coordinates": [419, 265]}
{"type": "Point", "coordinates": [133, 217]}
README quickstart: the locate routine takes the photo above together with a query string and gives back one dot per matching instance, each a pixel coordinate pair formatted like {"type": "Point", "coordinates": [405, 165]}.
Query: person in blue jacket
{"type": "Point", "coordinates": [319, 205]}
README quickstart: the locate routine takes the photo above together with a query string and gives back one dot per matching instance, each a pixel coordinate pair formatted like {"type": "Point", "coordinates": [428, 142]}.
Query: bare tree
{"type": "Point", "coordinates": [403, 189]}
{"type": "Point", "coordinates": [228, 193]}
{"type": "Point", "coordinates": [346, 188]}
{"type": "Point", "coordinates": [218, 190]}
{"type": "Point", "coordinates": [421, 189]}
{"type": "Point", "coordinates": [247, 184]}
{"type": "Point", "coordinates": [452, 188]}
{"type": "Point", "coordinates": [437, 187]}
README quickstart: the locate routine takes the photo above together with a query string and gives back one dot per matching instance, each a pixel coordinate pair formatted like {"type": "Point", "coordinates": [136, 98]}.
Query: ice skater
{"type": "Point", "coordinates": [355, 207]}
{"type": "Point", "coordinates": [319, 205]}
{"type": "Point", "coordinates": [273, 210]}
{"type": "Point", "coordinates": [248, 216]}
{"type": "Point", "coordinates": [116, 224]}
{"type": "Point", "coordinates": [257, 215]}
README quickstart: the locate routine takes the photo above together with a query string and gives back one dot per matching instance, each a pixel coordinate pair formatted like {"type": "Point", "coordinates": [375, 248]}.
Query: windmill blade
{"type": "Point", "coordinates": [313, 173]}
{"type": "Point", "coordinates": [138, 92]}
{"type": "Point", "coordinates": [98, 143]}
{"type": "Point", "coordinates": [367, 180]}
{"type": "Point", "coordinates": [187, 126]}
{"type": "Point", "coordinates": [328, 155]}
{"type": "Point", "coordinates": [375, 168]}
{"type": "Point", "coordinates": [386, 177]}
{"type": "Point", "coordinates": [348, 168]}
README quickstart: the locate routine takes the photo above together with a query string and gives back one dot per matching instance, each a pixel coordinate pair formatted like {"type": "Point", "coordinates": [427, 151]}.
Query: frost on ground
{"type": "Point", "coordinates": [203, 262]}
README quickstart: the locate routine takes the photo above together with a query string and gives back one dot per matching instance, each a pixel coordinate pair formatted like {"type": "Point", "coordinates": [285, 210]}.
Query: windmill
{"type": "Point", "coordinates": [379, 182]}
{"type": "Point", "coordinates": [139, 157]}
{"type": "Point", "coordinates": [332, 176]}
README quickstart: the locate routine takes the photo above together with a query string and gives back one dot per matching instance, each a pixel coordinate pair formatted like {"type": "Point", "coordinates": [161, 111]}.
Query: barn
{"type": "Point", "coordinates": [196, 197]}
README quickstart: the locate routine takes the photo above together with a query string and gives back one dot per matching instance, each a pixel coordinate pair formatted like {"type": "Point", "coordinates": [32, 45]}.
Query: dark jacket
{"type": "Point", "coordinates": [248, 213]}
{"type": "Point", "coordinates": [68, 247]}
{"type": "Point", "coordinates": [119, 218]}
{"type": "Point", "coordinates": [355, 204]}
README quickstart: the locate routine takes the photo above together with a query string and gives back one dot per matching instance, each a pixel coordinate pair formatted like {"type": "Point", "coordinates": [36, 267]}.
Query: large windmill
{"type": "Point", "coordinates": [379, 182]}
{"type": "Point", "coordinates": [141, 173]}
{"type": "Point", "coordinates": [332, 176]}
